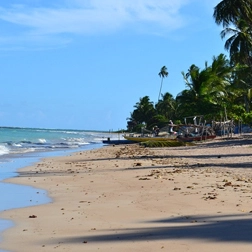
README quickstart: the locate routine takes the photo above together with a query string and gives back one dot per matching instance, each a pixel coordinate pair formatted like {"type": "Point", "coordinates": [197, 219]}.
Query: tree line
{"type": "Point", "coordinates": [219, 90]}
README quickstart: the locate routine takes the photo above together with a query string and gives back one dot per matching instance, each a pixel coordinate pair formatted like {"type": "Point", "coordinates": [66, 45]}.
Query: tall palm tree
{"type": "Point", "coordinates": [228, 12]}
{"type": "Point", "coordinates": [239, 44]}
{"type": "Point", "coordinates": [162, 74]}
{"type": "Point", "coordinates": [236, 18]}
{"type": "Point", "coordinates": [242, 84]}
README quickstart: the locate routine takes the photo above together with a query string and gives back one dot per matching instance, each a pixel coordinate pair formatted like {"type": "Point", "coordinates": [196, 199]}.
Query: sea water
{"type": "Point", "coordinates": [22, 140]}
{"type": "Point", "coordinates": [20, 147]}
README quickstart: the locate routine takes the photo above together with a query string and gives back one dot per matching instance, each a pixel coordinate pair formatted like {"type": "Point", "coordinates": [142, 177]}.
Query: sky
{"type": "Point", "coordinates": [84, 64]}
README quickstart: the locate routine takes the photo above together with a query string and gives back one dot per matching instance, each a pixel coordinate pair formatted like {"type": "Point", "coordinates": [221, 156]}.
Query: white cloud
{"type": "Point", "coordinates": [94, 17]}
{"type": "Point", "coordinates": [90, 16]}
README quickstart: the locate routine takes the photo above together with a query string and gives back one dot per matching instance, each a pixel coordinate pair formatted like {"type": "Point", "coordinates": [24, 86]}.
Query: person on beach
{"type": "Point", "coordinates": [195, 123]}
{"type": "Point", "coordinates": [171, 127]}
{"type": "Point", "coordinates": [155, 131]}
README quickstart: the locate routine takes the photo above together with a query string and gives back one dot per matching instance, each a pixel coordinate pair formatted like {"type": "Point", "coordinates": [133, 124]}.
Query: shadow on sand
{"type": "Point", "coordinates": [222, 228]}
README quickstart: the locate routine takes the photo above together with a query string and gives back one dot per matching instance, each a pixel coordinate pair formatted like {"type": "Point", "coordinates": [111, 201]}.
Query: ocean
{"type": "Point", "coordinates": [23, 140]}
{"type": "Point", "coordinates": [21, 147]}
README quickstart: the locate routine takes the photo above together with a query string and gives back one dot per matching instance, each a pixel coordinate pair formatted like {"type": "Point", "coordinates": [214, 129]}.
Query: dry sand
{"type": "Point", "coordinates": [129, 198]}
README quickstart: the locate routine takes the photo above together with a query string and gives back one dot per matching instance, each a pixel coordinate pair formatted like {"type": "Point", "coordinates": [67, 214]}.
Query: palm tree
{"type": "Point", "coordinates": [239, 43]}
{"type": "Point", "coordinates": [144, 111]}
{"type": "Point", "coordinates": [221, 74]}
{"type": "Point", "coordinates": [207, 88]}
{"type": "Point", "coordinates": [236, 18]}
{"type": "Point", "coordinates": [194, 99]}
{"type": "Point", "coordinates": [162, 74]}
{"type": "Point", "coordinates": [242, 84]}
{"type": "Point", "coordinates": [228, 12]}
{"type": "Point", "coordinates": [167, 106]}
{"type": "Point", "coordinates": [220, 82]}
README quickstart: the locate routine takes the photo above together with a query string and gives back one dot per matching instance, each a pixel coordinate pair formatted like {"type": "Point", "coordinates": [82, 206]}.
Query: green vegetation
{"type": "Point", "coordinates": [223, 88]}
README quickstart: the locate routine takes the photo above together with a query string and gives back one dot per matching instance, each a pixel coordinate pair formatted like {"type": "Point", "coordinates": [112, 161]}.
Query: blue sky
{"type": "Point", "coordinates": [84, 64]}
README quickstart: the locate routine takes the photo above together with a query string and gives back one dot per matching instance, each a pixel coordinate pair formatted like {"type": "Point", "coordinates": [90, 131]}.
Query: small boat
{"type": "Point", "coordinates": [188, 132]}
{"type": "Point", "coordinates": [117, 142]}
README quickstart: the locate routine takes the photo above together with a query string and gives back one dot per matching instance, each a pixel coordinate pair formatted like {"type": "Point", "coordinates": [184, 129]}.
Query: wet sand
{"type": "Point", "coordinates": [130, 198]}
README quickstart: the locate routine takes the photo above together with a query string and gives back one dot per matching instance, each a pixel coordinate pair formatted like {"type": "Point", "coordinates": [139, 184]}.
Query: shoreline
{"type": "Point", "coordinates": [126, 197]}
{"type": "Point", "coordinates": [16, 196]}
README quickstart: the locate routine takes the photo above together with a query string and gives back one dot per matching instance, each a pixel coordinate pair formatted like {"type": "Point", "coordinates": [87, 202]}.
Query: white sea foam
{"type": "Point", "coordinates": [4, 150]}
{"type": "Point", "coordinates": [22, 150]}
{"type": "Point", "coordinates": [17, 145]}
{"type": "Point", "coordinates": [22, 140]}
{"type": "Point", "coordinates": [77, 141]}
{"type": "Point", "coordinates": [41, 140]}
{"type": "Point", "coordinates": [83, 143]}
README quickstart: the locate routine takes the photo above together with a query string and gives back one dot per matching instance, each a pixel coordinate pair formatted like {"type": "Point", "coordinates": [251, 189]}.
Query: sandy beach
{"type": "Point", "coordinates": [130, 198]}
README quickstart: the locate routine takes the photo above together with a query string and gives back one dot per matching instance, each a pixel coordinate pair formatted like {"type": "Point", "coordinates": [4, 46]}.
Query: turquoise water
{"type": "Point", "coordinates": [21, 147]}
{"type": "Point", "coordinates": [22, 140]}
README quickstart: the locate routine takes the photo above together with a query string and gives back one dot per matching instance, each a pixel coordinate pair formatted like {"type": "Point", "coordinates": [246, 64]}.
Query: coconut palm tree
{"type": "Point", "coordinates": [220, 83]}
{"type": "Point", "coordinates": [163, 73]}
{"type": "Point", "coordinates": [242, 84]}
{"type": "Point", "coordinates": [144, 111]}
{"type": "Point", "coordinates": [228, 12]}
{"type": "Point", "coordinates": [167, 106]}
{"type": "Point", "coordinates": [194, 99]}
{"type": "Point", "coordinates": [207, 88]}
{"type": "Point", "coordinates": [220, 76]}
{"type": "Point", "coordinates": [236, 18]}
{"type": "Point", "coordinates": [239, 44]}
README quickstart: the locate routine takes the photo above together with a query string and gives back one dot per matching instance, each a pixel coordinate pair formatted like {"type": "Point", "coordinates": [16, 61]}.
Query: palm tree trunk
{"type": "Point", "coordinates": [160, 88]}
